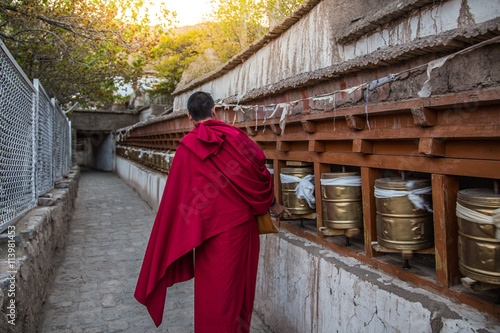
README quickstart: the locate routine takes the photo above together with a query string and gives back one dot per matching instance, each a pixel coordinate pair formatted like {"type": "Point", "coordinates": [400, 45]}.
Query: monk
{"type": "Point", "coordinates": [205, 226]}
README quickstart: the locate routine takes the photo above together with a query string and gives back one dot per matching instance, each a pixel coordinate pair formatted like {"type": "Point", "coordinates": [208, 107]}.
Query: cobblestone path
{"type": "Point", "coordinates": [94, 285]}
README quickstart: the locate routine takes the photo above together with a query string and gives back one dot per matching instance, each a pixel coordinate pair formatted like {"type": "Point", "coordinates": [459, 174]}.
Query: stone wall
{"type": "Point", "coordinates": [37, 241]}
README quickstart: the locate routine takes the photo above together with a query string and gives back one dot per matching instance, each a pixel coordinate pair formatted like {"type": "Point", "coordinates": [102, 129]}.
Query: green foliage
{"type": "Point", "coordinates": [78, 47]}
{"type": "Point", "coordinates": [233, 25]}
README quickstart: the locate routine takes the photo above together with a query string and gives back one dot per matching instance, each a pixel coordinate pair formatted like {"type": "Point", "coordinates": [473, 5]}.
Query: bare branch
{"type": "Point", "coordinates": [286, 5]}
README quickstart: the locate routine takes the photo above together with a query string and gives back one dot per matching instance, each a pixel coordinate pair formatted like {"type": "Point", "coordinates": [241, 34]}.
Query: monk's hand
{"type": "Point", "coordinates": [277, 210]}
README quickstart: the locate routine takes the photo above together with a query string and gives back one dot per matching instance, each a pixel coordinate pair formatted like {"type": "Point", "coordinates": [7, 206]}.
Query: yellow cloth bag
{"type": "Point", "coordinates": [265, 224]}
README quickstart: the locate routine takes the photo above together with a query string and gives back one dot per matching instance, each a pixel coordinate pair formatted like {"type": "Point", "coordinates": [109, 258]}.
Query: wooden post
{"type": "Point", "coordinates": [319, 168]}
{"type": "Point", "coordinates": [277, 166]}
{"type": "Point", "coordinates": [368, 177]}
{"type": "Point", "coordinates": [444, 197]}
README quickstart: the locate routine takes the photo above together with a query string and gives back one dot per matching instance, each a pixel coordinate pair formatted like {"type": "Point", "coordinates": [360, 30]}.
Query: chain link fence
{"type": "Point", "coordinates": [35, 141]}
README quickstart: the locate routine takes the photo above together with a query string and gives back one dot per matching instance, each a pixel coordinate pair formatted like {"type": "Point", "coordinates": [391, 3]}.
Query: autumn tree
{"type": "Point", "coordinates": [232, 26]}
{"type": "Point", "coordinates": [77, 48]}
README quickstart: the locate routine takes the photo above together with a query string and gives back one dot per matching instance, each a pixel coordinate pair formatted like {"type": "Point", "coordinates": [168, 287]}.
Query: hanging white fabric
{"type": "Point", "coordinates": [427, 88]}
{"type": "Point", "coordinates": [478, 217]}
{"type": "Point", "coordinates": [342, 181]}
{"type": "Point", "coordinates": [413, 195]}
{"type": "Point", "coordinates": [304, 189]}
{"type": "Point", "coordinates": [271, 171]}
{"type": "Point", "coordinates": [167, 156]}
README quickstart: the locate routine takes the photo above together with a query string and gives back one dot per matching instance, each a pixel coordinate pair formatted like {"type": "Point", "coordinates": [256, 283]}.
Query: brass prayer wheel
{"type": "Point", "coordinates": [400, 224]}
{"type": "Point", "coordinates": [170, 160]}
{"type": "Point", "coordinates": [342, 208]}
{"type": "Point", "coordinates": [295, 205]}
{"type": "Point", "coordinates": [478, 238]}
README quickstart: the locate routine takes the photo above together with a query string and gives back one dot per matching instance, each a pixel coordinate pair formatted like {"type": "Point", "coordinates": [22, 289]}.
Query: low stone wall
{"type": "Point", "coordinates": [37, 241]}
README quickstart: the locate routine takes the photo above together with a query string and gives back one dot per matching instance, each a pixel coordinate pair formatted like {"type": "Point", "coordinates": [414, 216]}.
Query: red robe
{"type": "Point", "coordinates": [218, 181]}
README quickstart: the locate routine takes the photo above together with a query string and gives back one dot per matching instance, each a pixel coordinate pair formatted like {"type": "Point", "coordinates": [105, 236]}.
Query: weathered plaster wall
{"type": "Point", "coordinates": [303, 287]}
{"type": "Point", "coordinates": [433, 21]}
{"type": "Point", "coordinates": [311, 43]}
{"type": "Point", "coordinates": [147, 183]}
{"type": "Point", "coordinates": [40, 237]}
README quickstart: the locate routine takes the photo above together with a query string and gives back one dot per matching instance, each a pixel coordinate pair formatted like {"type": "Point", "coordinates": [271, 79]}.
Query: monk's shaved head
{"type": "Point", "coordinates": [200, 105]}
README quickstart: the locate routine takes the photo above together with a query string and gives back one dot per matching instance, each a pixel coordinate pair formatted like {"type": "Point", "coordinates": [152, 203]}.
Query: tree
{"type": "Point", "coordinates": [77, 48]}
{"type": "Point", "coordinates": [278, 10]}
{"type": "Point", "coordinates": [233, 25]}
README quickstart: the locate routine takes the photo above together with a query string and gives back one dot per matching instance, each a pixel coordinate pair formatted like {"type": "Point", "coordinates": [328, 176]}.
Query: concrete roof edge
{"type": "Point", "coordinates": [452, 40]}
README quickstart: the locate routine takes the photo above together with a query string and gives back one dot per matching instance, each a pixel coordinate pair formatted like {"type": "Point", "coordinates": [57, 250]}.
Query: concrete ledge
{"type": "Point", "coordinates": [29, 252]}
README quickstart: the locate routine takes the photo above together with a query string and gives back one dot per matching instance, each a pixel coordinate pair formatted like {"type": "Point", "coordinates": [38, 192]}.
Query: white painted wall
{"type": "Point", "coordinates": [148, 184]}
{"type": "Point", "coordinates": [309, 44]}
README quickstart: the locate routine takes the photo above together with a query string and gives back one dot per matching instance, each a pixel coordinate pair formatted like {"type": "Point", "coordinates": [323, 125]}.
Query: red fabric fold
{"type": "Point", "coordinates": [218, 180]}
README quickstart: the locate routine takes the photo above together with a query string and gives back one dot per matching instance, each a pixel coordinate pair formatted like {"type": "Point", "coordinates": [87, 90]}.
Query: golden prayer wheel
{"type": "Point", "coordinates": [295, 205]}
{"type": "Point", "coordinates": [478, 243]}
{"type": "Point", "coordinates": [342, 208]}
{"type": "Point", "coordinates": [171, 160]}
{"type": "Point", "coordinates": [400, 224]}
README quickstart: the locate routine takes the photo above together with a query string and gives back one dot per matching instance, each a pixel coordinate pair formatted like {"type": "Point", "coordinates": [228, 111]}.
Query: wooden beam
{"type": "Point", "coordinates": [451, 166]}
{"type": "Point", "coordinates": [362, 146]}
{"type": "Point", "coordinates": [444, 198]}
{"type": "Point", "coordinates": [251, 131]}
{"type": "Point", "coordinates": [275, 128]}
{"type": "Point", "coordinates": [309, 126]}
{"type": "Point", "coordinates": [423, 116]}
{"type": "Point", "coordinates": [317, 146]}
{"type": "Point", "coordinates": [368, 177]}
{"type": "Point", "coordinates": [319, 169]}
{"type": "Point", "coordinates": [278, 165]}
{"type": "Point", "coordinates": [283, 146]}
{"type": "Point", "coordinates": [355, 123]}
{"type": "Point", "coordinates": [431, 146]}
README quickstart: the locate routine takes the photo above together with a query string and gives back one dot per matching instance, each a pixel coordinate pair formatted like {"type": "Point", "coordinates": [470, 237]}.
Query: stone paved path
{"type": "Point", "coordinates": [93, 288]}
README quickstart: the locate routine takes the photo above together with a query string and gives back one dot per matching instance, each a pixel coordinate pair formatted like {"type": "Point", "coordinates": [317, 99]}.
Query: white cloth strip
{"type": "Point", "coordinates": [413, 196]}
{"type": "Point", "coordinates": [478, 217]}
{"type": "Point", "coordinates": [343, 181]}
{"type": "Point", "coordinates": [271, 171]}
{"type": "Point", "coordinates": [304, 189]}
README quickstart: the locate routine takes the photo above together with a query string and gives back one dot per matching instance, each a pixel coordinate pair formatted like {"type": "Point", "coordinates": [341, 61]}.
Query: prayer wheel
{"type": "Point", "coordinates": [342, 208]}
{"type": "Point", "coordinates": [404, 217]}
{"type": "Point", "coordinates": [295, 205]}
{"type": "Point", "coordinates": [478, 237]}
{"type": "Point", "coordinates": [170, 160]}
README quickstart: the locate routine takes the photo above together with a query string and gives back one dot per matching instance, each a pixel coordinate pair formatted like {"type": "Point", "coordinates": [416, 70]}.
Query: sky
{"type": "Point", "coordinates": [189, 12]}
